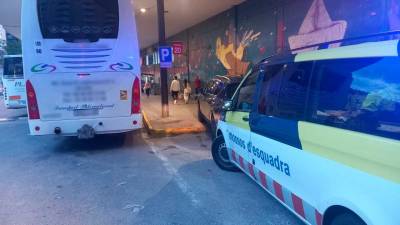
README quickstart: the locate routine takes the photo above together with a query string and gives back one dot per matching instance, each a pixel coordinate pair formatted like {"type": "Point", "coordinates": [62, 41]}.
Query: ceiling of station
{"type": "Point", "coordinates": [180, 14]}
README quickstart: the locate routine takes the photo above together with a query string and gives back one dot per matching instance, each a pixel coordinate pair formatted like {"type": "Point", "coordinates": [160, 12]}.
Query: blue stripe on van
{"type": "Point", "coordinates": [282, 130]}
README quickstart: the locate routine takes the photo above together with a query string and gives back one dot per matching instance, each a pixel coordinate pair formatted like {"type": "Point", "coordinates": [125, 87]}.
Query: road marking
{"type": "Point", "coordinates": [135, 208]}
{"type": "Point", "coordinates": [182, 184]}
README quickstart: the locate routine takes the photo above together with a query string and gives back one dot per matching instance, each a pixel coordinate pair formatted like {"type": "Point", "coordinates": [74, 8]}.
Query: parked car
{"type": "Point", "coordinates": [210, 102]}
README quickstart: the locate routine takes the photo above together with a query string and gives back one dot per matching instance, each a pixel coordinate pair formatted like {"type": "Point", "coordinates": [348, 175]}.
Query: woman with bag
{"type": "Point", "coordinates": [147, 88]}
{"type": "Point", "coordinates": [187, 91]}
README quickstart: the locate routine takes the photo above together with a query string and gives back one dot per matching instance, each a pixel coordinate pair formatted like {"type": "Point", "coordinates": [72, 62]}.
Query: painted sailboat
{"type": "Point", "coordinates": [318, 27]}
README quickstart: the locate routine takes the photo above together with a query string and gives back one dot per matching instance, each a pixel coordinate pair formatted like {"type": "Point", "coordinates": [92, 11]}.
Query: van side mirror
{"type": "Point", "coordinates": [228, 105]}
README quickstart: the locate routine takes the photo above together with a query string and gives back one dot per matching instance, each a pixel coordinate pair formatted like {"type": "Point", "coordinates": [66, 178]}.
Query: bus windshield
{"type": "Point", "coordinates": [73, 20]}
{"type": "Point", "coordinates": [13, 68]}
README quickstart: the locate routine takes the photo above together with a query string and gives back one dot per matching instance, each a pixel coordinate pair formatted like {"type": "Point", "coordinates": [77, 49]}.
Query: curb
{"type": "Point", "coordinates": [169, 131]}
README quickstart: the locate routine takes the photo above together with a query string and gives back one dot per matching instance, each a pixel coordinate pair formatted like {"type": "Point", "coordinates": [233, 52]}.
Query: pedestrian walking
{"type": "Point", "coordinates": [197, 86]}
{"type": "Point", "coordinates": [187, 91]}
{"type": "Point", "coordinates": [175, 89]}
{"type": "Point", "coordinates": [147, 88]}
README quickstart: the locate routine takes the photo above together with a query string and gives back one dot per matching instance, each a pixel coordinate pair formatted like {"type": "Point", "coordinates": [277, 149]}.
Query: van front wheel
{"type": "Point", "coordinates": [220, 155]}
{"type": "Point", "coordinates": [347, 219]}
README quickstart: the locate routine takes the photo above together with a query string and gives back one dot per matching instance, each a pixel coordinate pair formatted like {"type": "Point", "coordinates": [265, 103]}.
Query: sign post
{"type": "Point", "coordinates": [163, 71]}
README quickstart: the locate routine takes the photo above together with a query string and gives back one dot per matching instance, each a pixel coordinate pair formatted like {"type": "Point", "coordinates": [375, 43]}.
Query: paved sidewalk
{"type": "Point", "coordinates": [182, 117]}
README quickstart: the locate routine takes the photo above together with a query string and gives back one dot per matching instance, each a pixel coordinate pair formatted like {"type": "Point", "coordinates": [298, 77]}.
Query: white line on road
{"type": "Point", "coordinates": [182, 184]}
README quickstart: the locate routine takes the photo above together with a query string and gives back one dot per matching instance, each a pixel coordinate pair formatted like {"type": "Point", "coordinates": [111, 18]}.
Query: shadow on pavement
{"type": "Point", "coordinates": [101, 143]}
{"type": "Point", "coordinates": [209, 195]}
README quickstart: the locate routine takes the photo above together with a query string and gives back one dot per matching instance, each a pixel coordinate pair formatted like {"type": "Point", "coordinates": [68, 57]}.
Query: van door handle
{"type": "Point", "coordinates": [246, 119]}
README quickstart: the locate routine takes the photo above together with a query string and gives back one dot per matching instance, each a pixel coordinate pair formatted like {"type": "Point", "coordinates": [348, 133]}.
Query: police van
{"type": "Point", "coordinates": [320, 131]}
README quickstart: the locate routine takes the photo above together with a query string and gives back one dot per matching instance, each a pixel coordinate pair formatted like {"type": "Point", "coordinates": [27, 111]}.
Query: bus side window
{"type": "Point", "coordinates": [244, 98]}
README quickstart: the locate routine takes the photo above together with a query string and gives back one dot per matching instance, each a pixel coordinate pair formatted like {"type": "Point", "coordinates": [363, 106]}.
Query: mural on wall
{"type": "Point", "coordinates": [318, 27]}
{"type": "Point", "coordinates": [230, 55]}
{"type": "Point", "coordinates": [229, 43]}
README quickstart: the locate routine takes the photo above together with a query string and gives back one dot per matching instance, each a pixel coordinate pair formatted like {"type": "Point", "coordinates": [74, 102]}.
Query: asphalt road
{"type": "Point", "coordinates": [124, 179]}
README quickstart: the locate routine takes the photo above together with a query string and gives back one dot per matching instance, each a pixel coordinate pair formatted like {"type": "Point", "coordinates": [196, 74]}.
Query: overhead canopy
{"type": "Point", "coordinates": [181, 14]}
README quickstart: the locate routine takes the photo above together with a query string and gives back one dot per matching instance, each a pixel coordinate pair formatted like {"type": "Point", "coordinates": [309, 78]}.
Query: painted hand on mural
{"type": "Point", "coordinates": [231, 58]}
{"type": "Point", "coordinates": [318, 27]}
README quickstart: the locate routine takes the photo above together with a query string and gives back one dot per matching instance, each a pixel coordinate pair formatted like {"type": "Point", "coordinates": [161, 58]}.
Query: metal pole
{"type": "Point", "coordinates": [163, 71]}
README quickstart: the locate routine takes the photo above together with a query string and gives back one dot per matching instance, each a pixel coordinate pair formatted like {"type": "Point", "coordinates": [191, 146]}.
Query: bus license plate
{"type": "Point", "coordinates": [86, 112]}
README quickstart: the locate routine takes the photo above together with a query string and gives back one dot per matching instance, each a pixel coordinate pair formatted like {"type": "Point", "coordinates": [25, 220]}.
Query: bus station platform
{"type": "Point", "coordinates": [182, 117]}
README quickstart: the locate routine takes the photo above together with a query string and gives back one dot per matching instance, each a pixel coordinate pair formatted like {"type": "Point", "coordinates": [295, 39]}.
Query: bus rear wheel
{"type": "Point", "coordinates": [347, 219]}
{"type": "Point", "coordinates": [220, 155]}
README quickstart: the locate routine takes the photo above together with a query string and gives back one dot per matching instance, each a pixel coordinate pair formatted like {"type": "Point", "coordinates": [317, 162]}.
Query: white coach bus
{"type": "Point", "coordinates": [13, 82]}
{"type": "Point", "coordinates": [81, 60]}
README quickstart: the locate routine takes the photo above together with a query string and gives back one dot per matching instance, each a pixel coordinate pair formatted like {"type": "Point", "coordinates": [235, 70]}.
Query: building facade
{"type": "Point", "coordinates": [231, 42]}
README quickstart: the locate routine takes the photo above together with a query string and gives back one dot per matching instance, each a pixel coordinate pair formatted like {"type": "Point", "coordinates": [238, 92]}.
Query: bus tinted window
{"type": "Point", "coordinates": [73, 20]}
{"type": "Point", "coordinates": [13, 68]}
{"type": "Point", "coordinates": [358, 94]}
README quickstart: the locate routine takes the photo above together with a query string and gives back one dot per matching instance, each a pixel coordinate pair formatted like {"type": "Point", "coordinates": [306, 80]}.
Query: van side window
{"type": "Point", "coordinates": [245, 95]}
{"type": "Point", "coordinates": [284, 90]}
{"type": "Point", "coordinates": [358, 94]}
{"type": "Point", "coordinates": [269, 93]}
{"type": "Point", "coordinates": [293, 91]}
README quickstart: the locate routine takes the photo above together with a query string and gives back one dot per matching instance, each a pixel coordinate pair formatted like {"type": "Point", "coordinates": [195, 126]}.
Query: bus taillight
{"type": "Point", "coordinates": [136, 96]}
{"type": "Point", "coordinates": [33, 108]}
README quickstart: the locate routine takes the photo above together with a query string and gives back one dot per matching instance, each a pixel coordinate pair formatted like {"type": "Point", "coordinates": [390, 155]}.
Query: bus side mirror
{"type": "Point", "coordinates": [228, 105]}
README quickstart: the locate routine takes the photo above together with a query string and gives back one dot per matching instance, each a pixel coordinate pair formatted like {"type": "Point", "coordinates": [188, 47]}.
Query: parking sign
{"type": "Point", "coordinates": [165, 53]}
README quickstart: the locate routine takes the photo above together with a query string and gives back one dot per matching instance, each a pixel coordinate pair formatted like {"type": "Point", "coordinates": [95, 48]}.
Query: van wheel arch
{"type": "Point", "coordinates": [219, 133]}
{"type": "Point", "coordinates": [335, 211]}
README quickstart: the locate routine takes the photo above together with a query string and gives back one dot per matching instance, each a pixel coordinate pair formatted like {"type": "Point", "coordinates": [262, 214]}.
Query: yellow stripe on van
{"type": "Point", "coordinates": [236, 118]}
{"type": "Point", "coordinates": [372, 49]}
{"type": "Point", "coordinates": [374, 155]}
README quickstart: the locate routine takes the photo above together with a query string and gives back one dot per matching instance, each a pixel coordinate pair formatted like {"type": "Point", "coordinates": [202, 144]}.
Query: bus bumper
{"type": "Point", "coordinates": [100, 125]}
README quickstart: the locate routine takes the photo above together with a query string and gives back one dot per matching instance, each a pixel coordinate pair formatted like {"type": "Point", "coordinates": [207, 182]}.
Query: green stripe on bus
{"type": "Point", "coordinates": [385, 48]}
{"type": "Point", "coordinates": [374, 155]}
{"type": "Point", "coordinates": [236, 118]}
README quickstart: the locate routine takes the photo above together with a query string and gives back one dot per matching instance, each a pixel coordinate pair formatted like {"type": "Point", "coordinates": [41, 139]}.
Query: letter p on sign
{"type": "Point", "coordinates": [165, 57]}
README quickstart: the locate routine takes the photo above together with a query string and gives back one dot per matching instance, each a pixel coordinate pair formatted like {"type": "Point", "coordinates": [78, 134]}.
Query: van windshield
{"type": "Point", "coordinates": [73, 20]}
{"type": "Point", "coordinates": [13, 68]}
